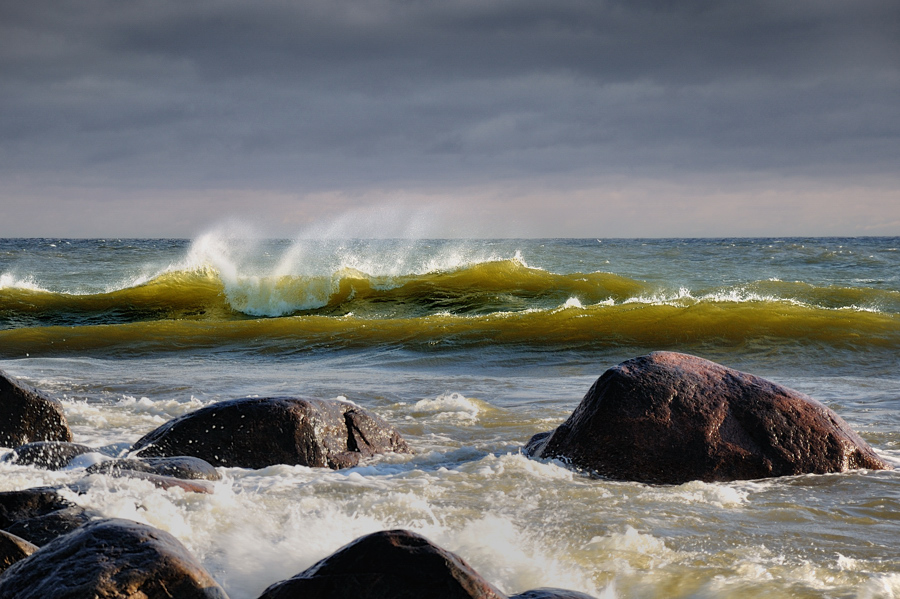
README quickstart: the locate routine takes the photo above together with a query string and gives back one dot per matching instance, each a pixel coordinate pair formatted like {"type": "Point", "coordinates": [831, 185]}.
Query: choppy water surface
{"type": "Point", "coordinates": [470, 347]}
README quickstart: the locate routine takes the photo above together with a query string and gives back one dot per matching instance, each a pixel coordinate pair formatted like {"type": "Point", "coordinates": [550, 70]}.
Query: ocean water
{"type": "Point", "coordinates": [469, 347]}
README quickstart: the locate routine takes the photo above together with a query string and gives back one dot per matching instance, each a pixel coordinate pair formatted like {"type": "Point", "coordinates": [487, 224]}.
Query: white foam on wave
{"type": "Point", "coordinates": [720, 495]}
{"type": "Point", "coordinates": [518, 465]}
{"type": "Point", "coordinates": [631, 549]}
{"type": "Point", "coordinates": [125, 420]}
{"type": "Point", "coordinates": [450, 406]}
{"type": "Point", "coordinates": [262, 277]}
{"type": "Point", "coordinates": [11, 281]}
{"type": "Point", "coordinates": [515, 560]}
{"type": "Point", "coordinates": [684, 297]}
{"type": "Point", "coordinates": [881, 586]}
{"type": "Point", "coordinates": [573, 302]}
{"type": "Point", "coordinates": [262, 526]}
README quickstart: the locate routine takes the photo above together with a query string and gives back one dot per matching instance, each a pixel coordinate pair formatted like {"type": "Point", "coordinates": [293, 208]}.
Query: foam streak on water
{"type": "Point", "coordinates": [469, 347]}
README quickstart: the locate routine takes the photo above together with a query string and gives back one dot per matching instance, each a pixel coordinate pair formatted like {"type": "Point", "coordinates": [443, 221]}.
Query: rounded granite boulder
{"type": "Point", "coordinates": [113, 559]}
{"type": "Point", "coordinates": [671, 418]}
{"type": "Point", "coordinates": [259, 432]}
{"type": "Point", "coordinates": [391, 564]}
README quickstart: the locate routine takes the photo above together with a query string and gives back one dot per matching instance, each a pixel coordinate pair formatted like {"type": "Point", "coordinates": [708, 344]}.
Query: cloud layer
{"type": "Point", "coordinates": [133, 104]}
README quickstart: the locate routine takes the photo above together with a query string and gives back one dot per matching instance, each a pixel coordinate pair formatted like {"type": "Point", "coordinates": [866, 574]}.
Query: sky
{"type": "Point", "coordinates": [450, 118]}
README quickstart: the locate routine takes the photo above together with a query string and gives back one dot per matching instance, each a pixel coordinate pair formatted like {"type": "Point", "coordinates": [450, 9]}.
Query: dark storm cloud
{"type": "Point", "coordinates": [324, 93]}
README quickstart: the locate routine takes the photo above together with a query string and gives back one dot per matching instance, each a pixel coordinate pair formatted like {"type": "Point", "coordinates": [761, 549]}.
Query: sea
{"type": "Point", "coordinates": [469, 347]}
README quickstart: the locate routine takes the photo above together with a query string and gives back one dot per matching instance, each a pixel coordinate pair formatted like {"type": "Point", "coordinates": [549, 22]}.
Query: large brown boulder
{"type": "Point", "coordinates": [260, 432]}
{"type": "Point", "coordinates": [40, 514]}
{"type": "Point", "coordinates": [112, 559]}
{"type": "Point", "coordinates": [27, 415]}
{"type": "Point", "coordinates": [394, 564]}
{"type": "Point", "coordinates": [671, 418]}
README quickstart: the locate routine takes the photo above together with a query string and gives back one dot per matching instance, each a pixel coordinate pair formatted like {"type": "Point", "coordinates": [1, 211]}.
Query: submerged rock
{"type": "Point", "coordinates": [261, 432]}
{"type": "Point", "coordinates": [13, 549]}
{"type": "Point", "coordinates": [549, 593]}
{"type": "Point", "coordinates": [394, 564]}
{"type": "Point", "coordinates": [39, 515]}
{"type": "Point", "coordinates": [164, 482]}
{"type": "Point", "coordinates": [671, 418]}
{"type": "Point", "coordinates": [183, 467]}
{"type": "Point", "coordinates": [113, 559]}
{"type": "Point", "coordinates": [52, 455]}
{"type": "Point", "coordinates": [28, 415]}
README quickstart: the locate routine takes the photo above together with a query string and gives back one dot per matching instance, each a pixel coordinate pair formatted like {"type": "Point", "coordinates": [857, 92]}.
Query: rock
{"type": "Point", "coordinates": [671, 418]}
{"type": "Point", "coordinates": [394, 564]}
{"type": "Point", "coordinates": [260, 432]}
{"type": "Point", "coordinates": [28, 415]}
{"type": "Point", "coordinates": [52, 455]}
{"type": "Point", "coordinates": [548, 593]}
{"type": "Point", "coordinates": [164, 482]}
{"type": "Point", "coordinates": [39, 515]}
{"type": "Point", "coordinates": [112, 559]}
{"type": "Point", "coordinates": [184, 467]}
{"type": "Point", "coordinates": [13, 549]}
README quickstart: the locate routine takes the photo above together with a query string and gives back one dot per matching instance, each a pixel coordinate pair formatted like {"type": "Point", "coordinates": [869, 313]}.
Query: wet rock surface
{"type": "Point", "coordinates": [113, 559]}
{"type": "Point", "coordinates": [394, 564]}
{"type": "Point", "coordinates": [13, 549]}
{"type": "Point", "coordinates": [550, 593]}
{"type": "Point", "coordinates": [671, 418]}
{"type": "Point", "coordinates": [39, 515]}
{"type": "Point", "coordinates": [260, 432]}
{"type": "Point", "coordinates": [52, 455]}
{"type": "Point", "coordinates": [183, 467]}
{"type": "Point", "coordinates": [28, 415]}
{"type": "Point", "coordinates": [165, 482]}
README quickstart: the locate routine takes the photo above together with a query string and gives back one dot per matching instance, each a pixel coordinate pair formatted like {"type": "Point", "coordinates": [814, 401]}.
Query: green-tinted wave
{"type": "Point", "coordinates": [600, 325]}
{"type": "Point", "coordinates": [172, 295]}
{"type": "Point", "coordinates": [478, 289]}
{"type": "Point", "coordinates": [481, 289]}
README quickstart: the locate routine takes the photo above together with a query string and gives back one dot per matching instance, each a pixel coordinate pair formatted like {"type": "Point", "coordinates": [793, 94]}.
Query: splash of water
{"type": "Point", "coordinates": [268, 277]}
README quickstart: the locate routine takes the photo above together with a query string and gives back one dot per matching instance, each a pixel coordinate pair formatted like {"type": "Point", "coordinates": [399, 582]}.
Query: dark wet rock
{"type": "Point", "coordinates": [39, 515]}
{"type": "Point", "coordinates": [28, 415]}
{"type": "Point", "coordinates": [184, 467]}
{"type": "Point", "coordinates": [549, 593]}
{"type": "Point", "coordinates": [13, 549]}
{"type": "Point", "coordinates": [671, 418]}
{"type": "Point", "coordinates": [394, 564]}
{"type": "Point", "coordinates": [164, 482]}
{"type": "Point", "coordinates": [52, 455]}
{"type": "Point", "coordinates": [260, 432]}
{"type": "Point", "coordinates": [112, 559]}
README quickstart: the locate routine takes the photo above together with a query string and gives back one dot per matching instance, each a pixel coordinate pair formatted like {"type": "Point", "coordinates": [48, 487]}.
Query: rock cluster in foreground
{"type": "Point", "coordinates": [672, 418]}
{"type": "Point", "coordinates": [120, 559]}
{"type": "Point", "coordinates": [661, 418]}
